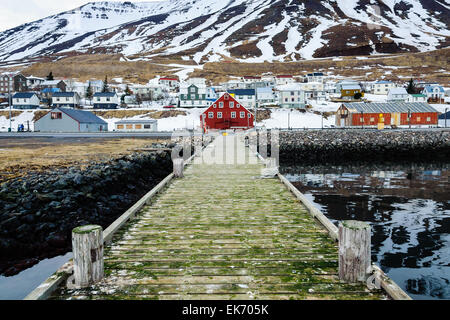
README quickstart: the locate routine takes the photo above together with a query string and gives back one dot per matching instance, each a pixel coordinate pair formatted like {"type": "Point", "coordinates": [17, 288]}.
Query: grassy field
{"type": "Point", "coordinates": [22, 155]}
{"type": "Point", "coordinates": [431, 66]}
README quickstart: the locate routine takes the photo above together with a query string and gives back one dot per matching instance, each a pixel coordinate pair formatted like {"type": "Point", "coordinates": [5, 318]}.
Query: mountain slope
{"type": "Point", "coordinates": [250, 31]}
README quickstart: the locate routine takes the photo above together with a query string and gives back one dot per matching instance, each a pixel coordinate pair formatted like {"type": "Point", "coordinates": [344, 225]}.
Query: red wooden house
{"type": "Point", "coordinates": [226, 113]}
{"type": "Point", "coordinates": [394, 114]}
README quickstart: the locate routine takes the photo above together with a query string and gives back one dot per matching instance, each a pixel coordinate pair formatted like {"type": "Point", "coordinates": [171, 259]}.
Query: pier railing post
{"type": "Point", "coordinates": [178, 167]}
{"type": "Point", "coordinates": [87, 247]}
{"type": "Point", "coordinates": [354, 251]}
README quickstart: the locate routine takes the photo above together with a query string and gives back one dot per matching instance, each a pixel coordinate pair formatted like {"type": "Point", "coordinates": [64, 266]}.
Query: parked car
{"type": "Point", "coordinates": [169, 107]}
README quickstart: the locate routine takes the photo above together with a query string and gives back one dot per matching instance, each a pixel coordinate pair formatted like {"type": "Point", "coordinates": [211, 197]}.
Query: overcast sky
{"type": "Point", "coordinates": [16, 12]}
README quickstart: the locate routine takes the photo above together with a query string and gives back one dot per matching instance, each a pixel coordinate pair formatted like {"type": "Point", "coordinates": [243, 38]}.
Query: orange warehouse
{"type": "Point", "coordinates": [394, 114]}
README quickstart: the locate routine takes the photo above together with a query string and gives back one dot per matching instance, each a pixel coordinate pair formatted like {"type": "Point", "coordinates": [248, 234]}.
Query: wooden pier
{"type": "Point", "coordinates": [222, 231]}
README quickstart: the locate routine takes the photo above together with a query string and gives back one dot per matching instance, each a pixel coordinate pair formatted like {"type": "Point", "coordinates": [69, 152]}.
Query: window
{"type": "Point", "coordinates": [192, 89]}
{"type": "Point", "coordinates": [249, 115]}
{"type": "Point", "coordinates": [241, 97]}
{"type": "Point", "coordinates": [147, 126]}
{"type": "Point", "coordinates": [238, 106]}
{"type": "Point", "coordinates": [138, 126]}
{"type": "Point", "coordinates": [242, 114]}
{"type": "Point", "coordinates": [214, 106]}
{"type": "Point", "coordinates": [210, 115]}
{"type": "Point", "coordinates": [285, 99]}
{"type": "Point", "coordinates": [428, 119]}
{"type": "Point", "coordinates": [108, 99]}
{"type": "Point", "coordinates": [231, 104]}
{"type": "Point", "coordinates": [292, 99]}
{"type": "Point", "coordinates": [67, 99]}
{"type": "Point", "coordinates": [129, 126]}
{"type": "Point", "coordinates": [418, 118]}
{"type": "Point", "coordinates": [233, 115]}
{"type": "Point", "coordinates": [219, 115]}
{"type": "Point", "coordinates": [372, 119]}
{"type": "Point", "coordinates": [98, 99]}
{"type": "Point", "coordinates": [119, 126]}
{"type": "Point", "coordinates": [221, 104]}
{"type": "Point", "coordinates": [250, 97]}
{"type": "Point", "coordinates": [292, 93]}
{"type": "Point", "coordinates": [57, 99]}
{"type": "Point", "coordinates": [56, 115]}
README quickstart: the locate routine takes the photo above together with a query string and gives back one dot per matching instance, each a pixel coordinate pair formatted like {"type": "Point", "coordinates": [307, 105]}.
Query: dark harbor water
{"type": "Point", "coordinates": [408, 208]}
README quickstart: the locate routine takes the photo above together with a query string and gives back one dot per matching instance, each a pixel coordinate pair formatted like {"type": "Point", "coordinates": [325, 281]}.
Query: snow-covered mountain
{"type": "Point", "coordinates": [246, 30]}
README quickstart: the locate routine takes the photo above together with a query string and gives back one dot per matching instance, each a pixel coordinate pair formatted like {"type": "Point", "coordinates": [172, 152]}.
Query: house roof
{"type": "Point", "coordinates": [389, 107]}
{"type": "Point", "coordinates": [430, 89]}
{"type": "Point", "coordinates": [51, 82]}
{"type": "Point", "coordinates": [351, 87]}
{"type": "Point", "coordinates": [104, 94]}
{"type": "Point", "coordinates": [284, 76]}
{"type": "Point", "coordinates": [383, 82]}
{"type": "Point", "coordinates": [64, 94]}
{"type": "Point", "coordinates": [82, 116]}
{"type": "Point", "coordinates": [242, 92]}
{"type": "Point", "coordinates": [24, 95]}
{"type": "Point", "coordinates": [174, 79]}
{"type": "Point", "coordinates": [315, 74]}
{"type": "Point", "coordinates": [398, 91]}
{"type": "Point", "coordinates": [53, 90]}
{"type": "Point", "coordinates": [290, 87]}
{"type": "Point", "coordinates": [264, 90]}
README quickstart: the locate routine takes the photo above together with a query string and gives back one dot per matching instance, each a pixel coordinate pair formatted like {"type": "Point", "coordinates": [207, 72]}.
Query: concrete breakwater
{"type": "Point", "coordinates": [39, 211]}
{"type": "Point", "coordinates": [342, 146]}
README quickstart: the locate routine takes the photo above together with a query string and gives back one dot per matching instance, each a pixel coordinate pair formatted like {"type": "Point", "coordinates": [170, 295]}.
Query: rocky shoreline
{"type": "Point", "coordinates": [345, 146]}
{"type": "Point", "coordinates": [39, 211]}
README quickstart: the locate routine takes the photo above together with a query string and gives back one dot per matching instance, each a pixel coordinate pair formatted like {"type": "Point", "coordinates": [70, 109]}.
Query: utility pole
{"type": "Point", "coordinates": [255, 101]}
{"type": "Point", "coordinates": [9, 102]}
{"type": "Point", "coordinates": [289, 118]}
{"type": "Point", "coordinates": [409, 118]}
{"type": "Point", "coordinates": [446, 117]}
{"type": "Point", "coordinates": [322, 119]}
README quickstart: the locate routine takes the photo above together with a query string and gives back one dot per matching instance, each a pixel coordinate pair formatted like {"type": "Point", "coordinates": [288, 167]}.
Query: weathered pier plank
{"type": "Point", "coordinates": [223, 232]}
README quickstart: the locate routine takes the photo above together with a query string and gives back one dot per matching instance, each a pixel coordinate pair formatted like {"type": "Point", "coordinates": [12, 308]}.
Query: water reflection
{"type": "Point", "coordinates": [408, 206]}
{"type": "Point", "coordinates": [20, 285]}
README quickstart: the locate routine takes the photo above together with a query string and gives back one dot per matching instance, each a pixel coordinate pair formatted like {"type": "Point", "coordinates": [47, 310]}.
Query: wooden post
{"type": "Point", "coordinates": [271, 163]}
{"type": "Point", "coordinates": [354, 251]}
{"type": "Point", "coordinates": [178, 167]}
{"type": "Point", "coordinates": [87, 247]}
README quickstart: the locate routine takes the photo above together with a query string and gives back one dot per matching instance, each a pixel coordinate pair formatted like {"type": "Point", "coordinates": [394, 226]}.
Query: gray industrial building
{"type": "Point", "coordinates": [70, 120]}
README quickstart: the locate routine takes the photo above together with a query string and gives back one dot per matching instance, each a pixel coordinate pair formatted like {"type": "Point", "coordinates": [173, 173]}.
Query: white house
{"type": "Point", "coordinates": [25, 100]}
{"type": "Point", "coordinates": [106, 100]}
{"type": "Point", "coordinates": [250, 79]}
{"type": "Point", "coordinates": [169, 82]}
{"type": "Point", "coordinates": [313, 90]}
{"type": "Point", "coordinates": [284, 79]}
{"type": "Point", "coordinates": [33, 82]}
{"type": "Point", "coordinates": [417, 98]}
{"type": "Point", "coordinates": [291, 96]}
{"type": "Point", "coordinates": [397, 95]}
{"type": "Point", "coordinates": [434, 92]}
{"type": "Point", "coordinates": [265, 96]}
{"type": "Point", "coordinates": [246, 97]}
{"type": "Point", "coordinates": [66, 99]}
{"type": "Point", "coordinates": [315, 77]}
{"type": "Point", "coordinates": [383, 87]}
{"type": "Point", "coordinates": [196, 81]}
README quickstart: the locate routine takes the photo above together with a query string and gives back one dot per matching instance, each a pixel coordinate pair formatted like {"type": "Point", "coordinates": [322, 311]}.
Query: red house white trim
{"type": "Point", "coordinates": [226, 113]}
